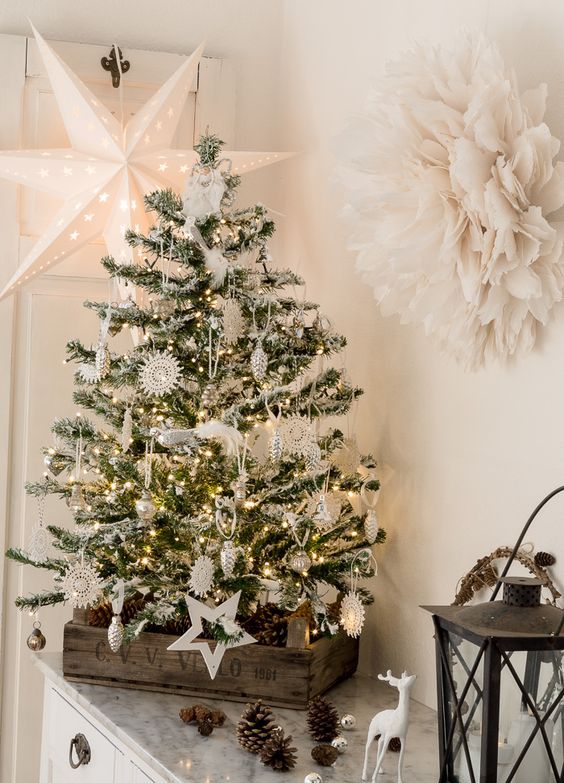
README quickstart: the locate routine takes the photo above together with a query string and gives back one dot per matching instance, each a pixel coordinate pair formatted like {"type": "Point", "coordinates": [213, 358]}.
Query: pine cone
{"type": "Point", "coordinates": [395, 744]}
{"type": "Point", "coordinates": [278, 752]}
{"type": "Point", "coordinates": [322, 720]}
{"type": "Point", "coordinates": [205, 727]}
{"type": "Point", "coordinates": [255, 727]}
{"type": "Point", "coordinates": [269, 625]}
{"type": "Point", "coordinates": [544, 559]}
{"type": "Point", "coordinates": [199, 713]}
{"type": "Point", "coordinates": [326, 755]}
{"type": "Point", "coordinates": [101, 616]}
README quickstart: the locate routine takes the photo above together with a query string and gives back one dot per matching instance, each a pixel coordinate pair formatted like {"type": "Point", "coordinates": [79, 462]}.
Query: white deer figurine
{"type": "Point", "coordinates": [389, 724]}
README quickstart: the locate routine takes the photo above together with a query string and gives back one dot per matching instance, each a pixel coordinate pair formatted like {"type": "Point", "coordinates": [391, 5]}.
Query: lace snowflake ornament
{"type": "Point", "coordinates": [201, 578]}
{"type": "Point", "coordinates": [39, 541]}
{"type": "Point", "coordinates": [296, 435]}
{"type": "Point", "coordinates": [160, 374]}
{"type": "Point", "coordinates": [88, 373]}
{"type": "Point", "coordinates": [81, 585]}
{"type": "Point", "coordinates": [352, 614]}
{"type": "Point", "coordinates": [233, 321]}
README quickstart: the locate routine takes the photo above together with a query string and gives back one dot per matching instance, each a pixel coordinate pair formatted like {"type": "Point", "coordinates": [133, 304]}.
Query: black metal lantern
{"type": "Point", "coordinates": [500, 684]}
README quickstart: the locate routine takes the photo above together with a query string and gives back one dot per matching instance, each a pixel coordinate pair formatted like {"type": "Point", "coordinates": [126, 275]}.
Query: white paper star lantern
{"type": "Point", "coordinates": [197, 611]}
{"type": "Point", "coordinates": [107, 170]}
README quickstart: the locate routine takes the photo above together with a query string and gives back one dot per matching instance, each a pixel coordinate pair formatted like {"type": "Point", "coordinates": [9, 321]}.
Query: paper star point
{"type": "Point", "coordinates": [105, 165]}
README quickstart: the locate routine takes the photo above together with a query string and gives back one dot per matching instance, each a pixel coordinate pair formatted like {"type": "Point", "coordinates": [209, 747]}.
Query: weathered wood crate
{"type": "Point", "coordinates": [282, 676]}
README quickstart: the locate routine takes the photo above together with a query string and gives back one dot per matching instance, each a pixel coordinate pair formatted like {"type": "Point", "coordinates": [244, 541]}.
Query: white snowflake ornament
{"type": "Point", "coordinates": [88, 373]}
{"type": "Point", "coordinates": [81, 585]}
{"type": "Point", "coordinates": [201, 578]}
{"type": "Point", "coordinates": [296, 434]}
{"type": "Point", "coordinates": [352, 614]}
{"type": "Point", "coordinates": [160, 374]}
{"type": "Point", "coordinates": [347, 457]}
{"type": "Point", "coordinates": [39, 541]}
{"type": "Point", "coordinates": [233, 321]}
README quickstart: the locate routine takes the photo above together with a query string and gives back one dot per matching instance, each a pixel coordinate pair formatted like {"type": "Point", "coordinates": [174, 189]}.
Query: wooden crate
{"type": "Point", "coordinates": [282, 676]}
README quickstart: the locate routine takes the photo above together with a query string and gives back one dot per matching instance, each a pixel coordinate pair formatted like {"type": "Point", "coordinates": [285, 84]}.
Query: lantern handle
{"type": "Point", "coordinates": [521, 537]}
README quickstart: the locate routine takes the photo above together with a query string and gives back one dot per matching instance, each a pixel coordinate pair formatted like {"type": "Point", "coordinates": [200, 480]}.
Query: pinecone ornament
{"type": "Point", "coordinates": [322, 720]}
{"type": "Point", "coordinates": [544, 559]}
{"type": "Point", "coordinates": [115, 633]}
{"type": "Point", "coordinates": [255, 727]}
{"type": "Point", "coordinates": [326, 755]}
{"type": "Point", "coordinates": [278, 752]}
{"type": "Point", "coordinates": [101, 616]}
{"type": "Point", "coordinates": [259, 362]}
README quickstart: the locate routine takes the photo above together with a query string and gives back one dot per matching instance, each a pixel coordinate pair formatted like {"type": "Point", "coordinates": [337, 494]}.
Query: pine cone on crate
{"type": "Point", "coordinates": [544, 559]}
{"type": "Point", "coordinates": [278, 752]}
{"type": "Point", "coordinates": [326, 755]}
{"type": "Point", "coordinates": [101, 616]}
{"type": "Point", "coordinates": [255, 727]}
{"type": "Point", "coordinates": [268, 625]}
{"type": "Point", "coordinates": [322, 720]}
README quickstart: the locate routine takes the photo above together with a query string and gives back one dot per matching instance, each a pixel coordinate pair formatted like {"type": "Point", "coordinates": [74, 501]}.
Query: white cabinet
{"type": "Point", "coordinates": [109, 760]}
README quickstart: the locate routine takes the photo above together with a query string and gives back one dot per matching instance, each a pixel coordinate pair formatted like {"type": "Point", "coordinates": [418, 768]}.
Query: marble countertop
{"type": "Point", "coordinates": [148, 724]}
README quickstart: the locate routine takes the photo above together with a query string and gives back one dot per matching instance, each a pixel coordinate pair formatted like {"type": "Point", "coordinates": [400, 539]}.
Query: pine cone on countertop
{"type": "Point", "coordinates": [205, 727]}
{"type": "Point", "coordinates": [255, 727]}
{"type": "Point", "coordinates": [326, 755]}
{"type": "Point", "coordinates": [322, 720]}
{"type": "Point", "coordinates": [395, 743]}
{"type": "Point", "coordinates": [544, 559]}
{"type": "Point", "coordinates": [278, 752]}
{"type": "Point", "coordinates": [199, 713]}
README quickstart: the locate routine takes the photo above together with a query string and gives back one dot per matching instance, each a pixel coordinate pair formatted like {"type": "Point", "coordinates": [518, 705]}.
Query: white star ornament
{"type": "Point", "coordinates": [105, 173]}
{"type": "Point", "coordinates": [198, 611]}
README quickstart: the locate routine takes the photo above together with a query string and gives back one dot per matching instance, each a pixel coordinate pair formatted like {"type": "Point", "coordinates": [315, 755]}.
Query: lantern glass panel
{"type": "Point", "coordinates": [531, 693]}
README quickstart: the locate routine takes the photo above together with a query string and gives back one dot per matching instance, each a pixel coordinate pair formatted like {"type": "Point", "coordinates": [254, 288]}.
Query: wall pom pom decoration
{"type": "Point", "coordinates": [450, 183]}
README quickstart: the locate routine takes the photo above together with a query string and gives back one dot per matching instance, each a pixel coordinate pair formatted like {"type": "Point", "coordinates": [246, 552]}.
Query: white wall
{"type": "Point", "coordinates": [471, 453]}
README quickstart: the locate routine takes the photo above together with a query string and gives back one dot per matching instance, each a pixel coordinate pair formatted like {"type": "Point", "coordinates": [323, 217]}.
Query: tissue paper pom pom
{"type": "Point", "coordinates": [450, 183]}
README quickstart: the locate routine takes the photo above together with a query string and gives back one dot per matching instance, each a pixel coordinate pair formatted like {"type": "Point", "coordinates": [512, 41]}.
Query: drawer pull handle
{"type": "Point", "coordinates": [80, 745]}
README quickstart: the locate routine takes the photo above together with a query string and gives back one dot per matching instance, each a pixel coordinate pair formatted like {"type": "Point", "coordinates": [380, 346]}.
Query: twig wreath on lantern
{"type": "Point", "coordinates": [450, 187]}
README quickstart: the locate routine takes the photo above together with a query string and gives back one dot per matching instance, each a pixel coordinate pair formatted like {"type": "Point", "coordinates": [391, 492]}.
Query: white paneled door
{"type": "Point", "coordinates": [35, 386]}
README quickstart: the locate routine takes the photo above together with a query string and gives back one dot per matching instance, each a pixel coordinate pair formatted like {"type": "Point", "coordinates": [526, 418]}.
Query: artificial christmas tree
{"type": "Point", "coordinates": [212, 475]}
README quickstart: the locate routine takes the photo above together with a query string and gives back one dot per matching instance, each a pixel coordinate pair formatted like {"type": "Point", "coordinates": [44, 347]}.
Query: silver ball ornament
{"type": "Point", "coordinates": [313, 777]}
{"type": "Point", "coordinates": [340, 744]}
{"type": "Point", "coordinates": [145, 507]}
{"type": "Point", "coordinates": [36, 641]}
{"type": "Point", "coordinates": [300, 562]}
{"type": "Point", "coordinates": [348, 722]}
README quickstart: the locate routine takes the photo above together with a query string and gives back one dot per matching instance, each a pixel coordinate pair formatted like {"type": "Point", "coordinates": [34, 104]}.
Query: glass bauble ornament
{"type": "Point", "coordinates": [259, 362]}
{"type": "Point", "coordinates": [240, 490]}
{"type": "Point", "coordinates": [340, 744]}
{"type": "Point", "coordinates": [348, 722]}
{"type": "Point", "coordinates": [145, 506]}
{"type": "Point", "coordinates": [228, 558]}
{"type": "Point", "coordinates": [76, 500]}
{"type": "Point", "coordinates": [322, 515]}
{"type": "Point", "coordinates": [300, 562]}
{"type": "Point", "coordinates": [115, 633]}
{"type": "Point", "coordinates": [313, 777]}
{"type": "Point", "coordinates": [371, 527]}
{"type": "Point", "coordinates": [352, 614]}
{"type": "Point", "coordinates": [36, 641]}
{"type": "Point", "coordinates": [275, 446]}
{"type": "Point", "coordinates": [102, 361]}
{"type": "Point", "coordinates": [210, 395]}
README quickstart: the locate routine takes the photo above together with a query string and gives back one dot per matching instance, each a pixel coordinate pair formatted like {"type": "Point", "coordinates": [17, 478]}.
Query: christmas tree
{"type": "Point", "coordinates": [213, 471]}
